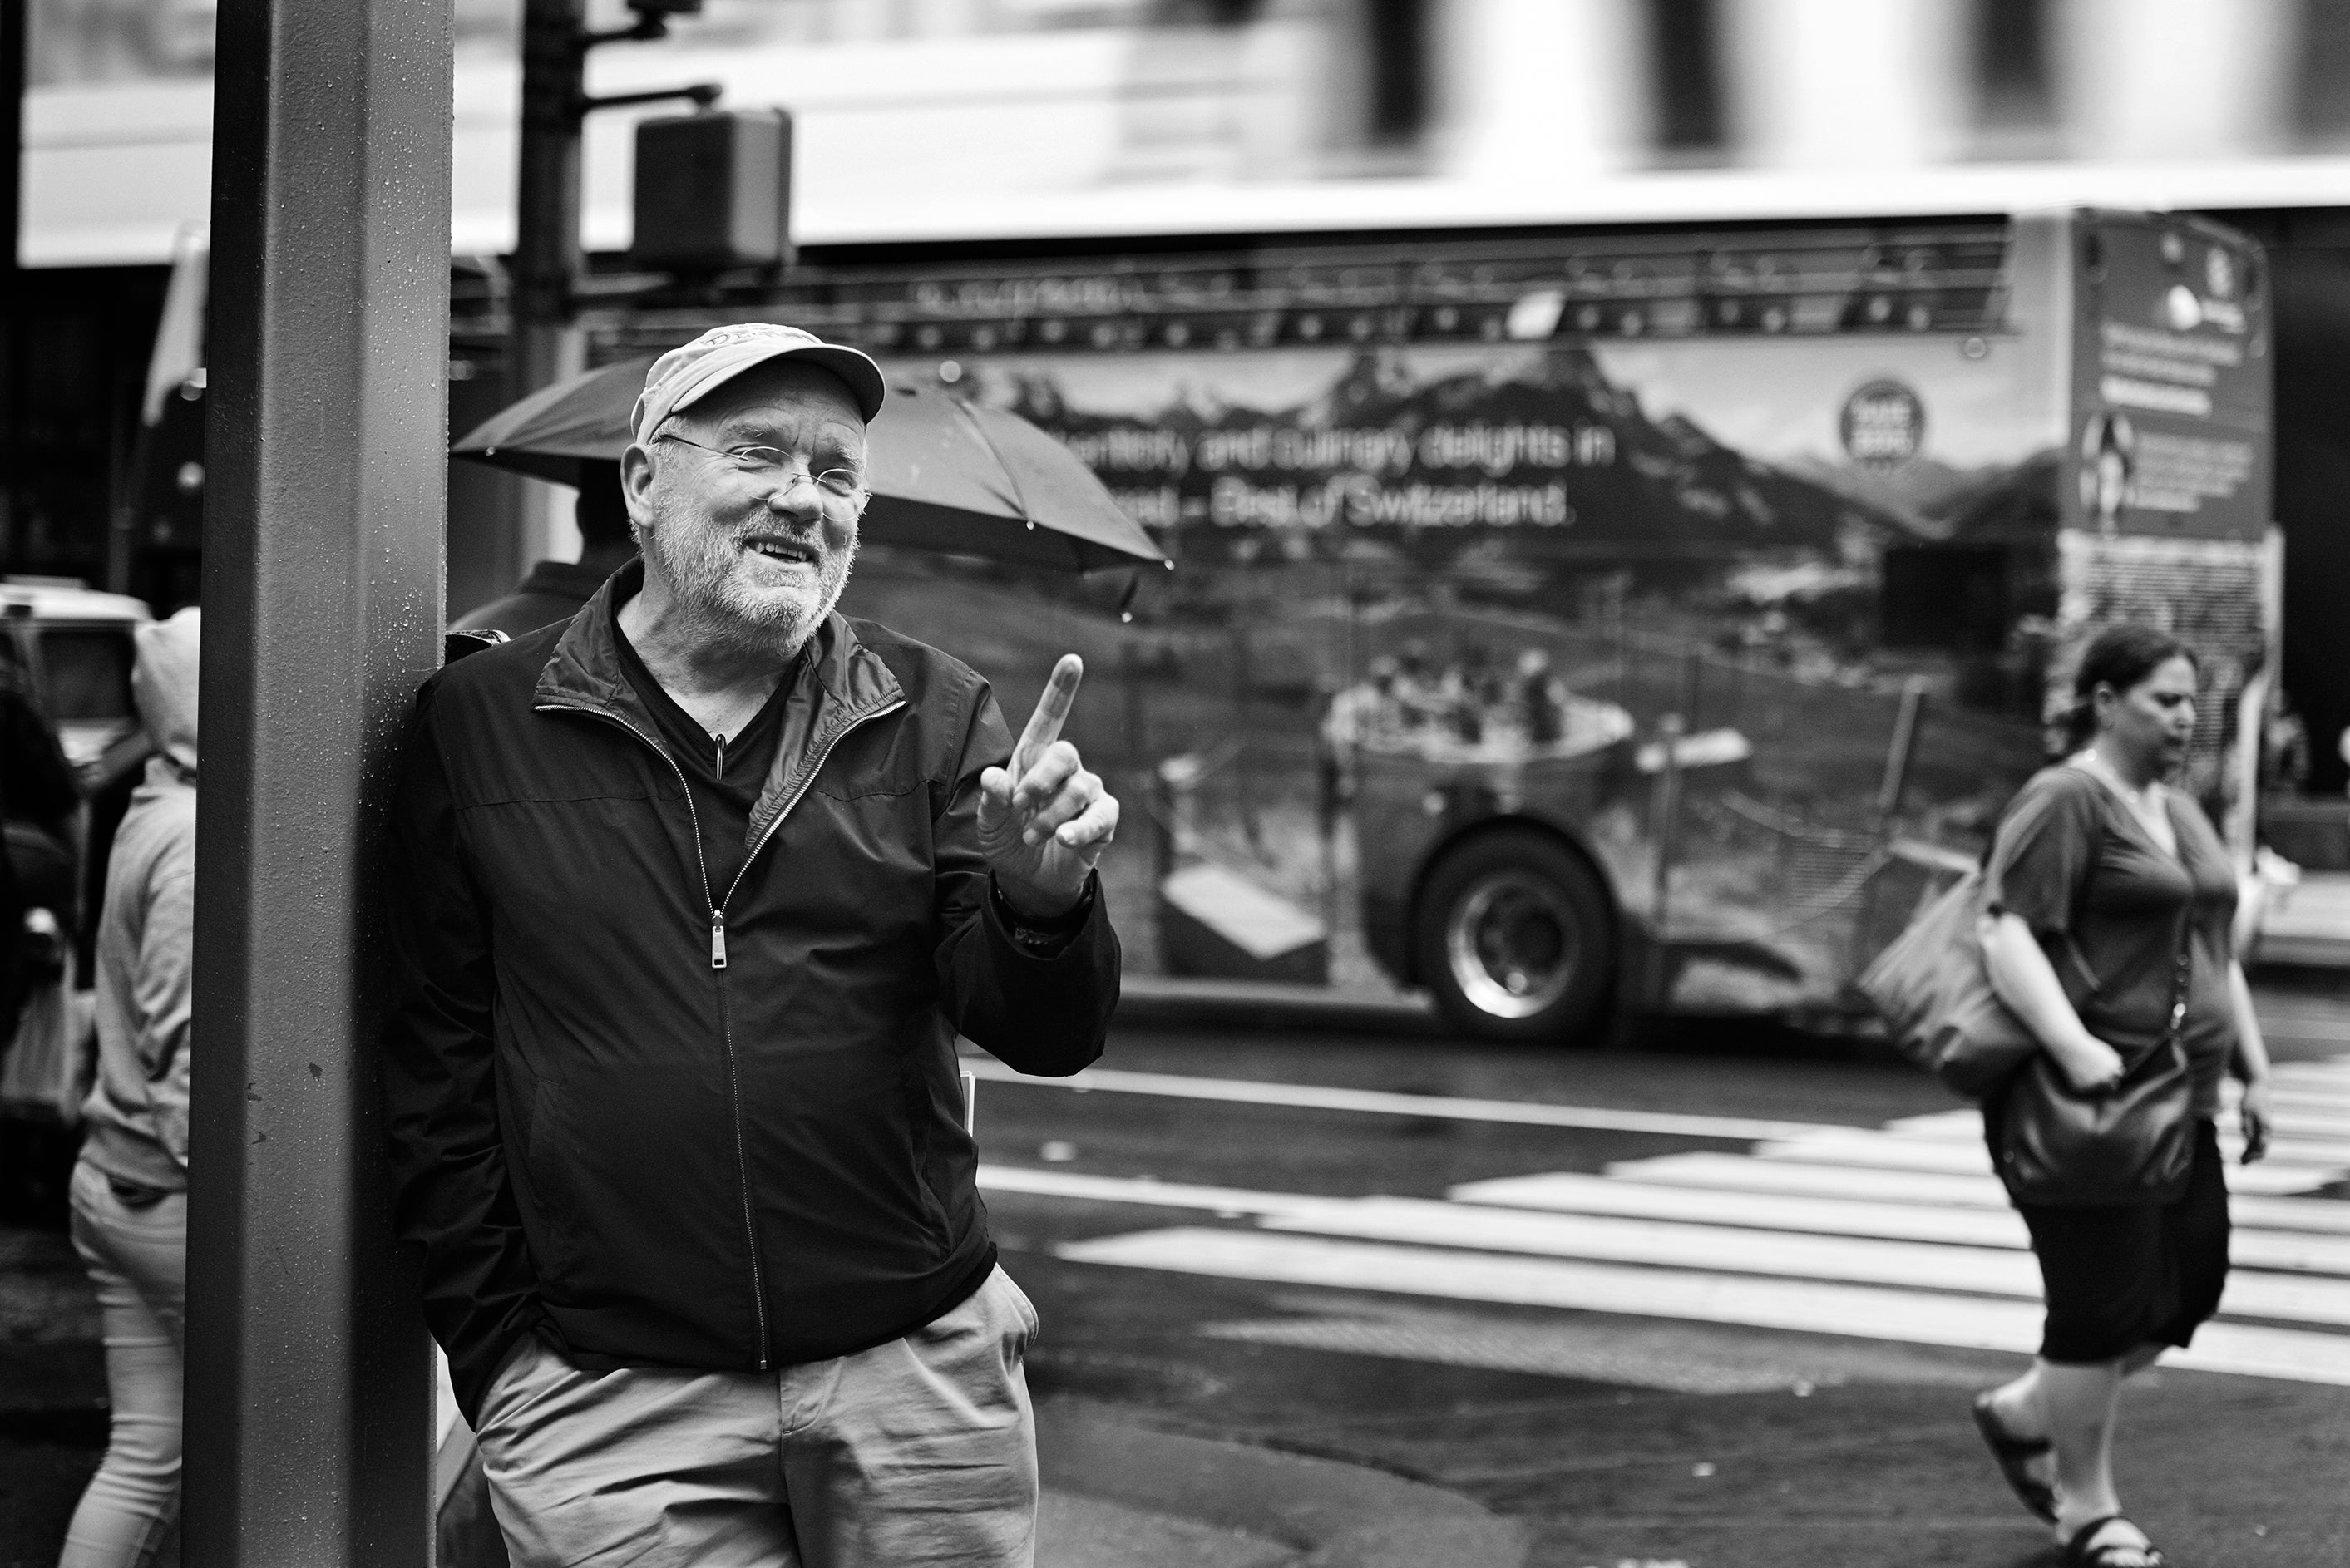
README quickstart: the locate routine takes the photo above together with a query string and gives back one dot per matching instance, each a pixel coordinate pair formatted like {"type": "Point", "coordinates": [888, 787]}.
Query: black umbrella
{"type": "Point", "coordinates": [946, 474]}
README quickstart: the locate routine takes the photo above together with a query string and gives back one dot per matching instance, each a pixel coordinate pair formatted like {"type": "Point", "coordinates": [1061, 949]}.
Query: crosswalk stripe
{"type": "Point", "coordinates": [1233, 1200]}
{"type": "Point", "coordinates": [2315, 1139]}
{"type": "Point", "coordinates": [2335, 1068]}
{"type": "Point", "coordinates": [2291, 1169]}
{"type": "Point", "coordinates": [2330, 1126]}
{"type": "Point", "coordinates": [1737, 1172]}
{"type": "Point", "coordinates": [1575, 1193]}
{"type": "Point", "coordinates": [2321, 1150]}
{"type": "Point", "coordinates": [1858, 1260]}
{"type": "Point", "coordinates": [2001, 1268]}
{"type": "Point", "coordinates": [1857, 1311]}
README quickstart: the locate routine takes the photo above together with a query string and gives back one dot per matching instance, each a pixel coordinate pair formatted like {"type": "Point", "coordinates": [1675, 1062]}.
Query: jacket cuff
{"type": "Point", "coordinates": [1046, 938]}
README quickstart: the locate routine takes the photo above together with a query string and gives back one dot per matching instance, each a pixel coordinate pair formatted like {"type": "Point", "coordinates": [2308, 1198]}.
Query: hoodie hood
{"type": "Point", "coordinates": [164, 682]}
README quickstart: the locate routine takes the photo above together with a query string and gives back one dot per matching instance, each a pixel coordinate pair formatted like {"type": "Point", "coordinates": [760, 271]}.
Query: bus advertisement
{"type": "Point", "coordinates": [1646, 621]}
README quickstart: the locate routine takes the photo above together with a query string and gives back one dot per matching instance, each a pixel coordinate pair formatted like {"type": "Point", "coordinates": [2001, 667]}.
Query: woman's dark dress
{"type": "Point", "coordinates": [2107, 901]}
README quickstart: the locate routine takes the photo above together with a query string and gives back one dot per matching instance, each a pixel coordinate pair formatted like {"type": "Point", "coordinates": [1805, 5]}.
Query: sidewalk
{"type": "Point", "coordinates": [1117, 1494]}
{"type": "Point", "coordinates": [1120, 1495]}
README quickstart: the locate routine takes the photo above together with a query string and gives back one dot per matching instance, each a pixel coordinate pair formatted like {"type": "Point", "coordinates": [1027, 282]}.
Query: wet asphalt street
{"type": "Point", "coordinates": [1645, 1346]}
{"type": "Point", "coordinates": [1718, 1300]}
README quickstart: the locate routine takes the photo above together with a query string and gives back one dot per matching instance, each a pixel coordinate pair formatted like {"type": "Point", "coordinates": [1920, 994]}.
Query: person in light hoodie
{"type": "Point", "coordinates": [129, 1191]}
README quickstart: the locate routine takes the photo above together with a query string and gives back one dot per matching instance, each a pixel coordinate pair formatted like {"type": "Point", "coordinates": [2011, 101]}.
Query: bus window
{"type": "Point", "coordinates": [89, 674]}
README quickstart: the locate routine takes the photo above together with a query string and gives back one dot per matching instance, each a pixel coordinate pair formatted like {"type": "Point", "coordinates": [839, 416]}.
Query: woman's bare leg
{"type": "Point", "coordinates": [2080, 1400]}
{"type": "Point", "coordinates": [2020, 1408]}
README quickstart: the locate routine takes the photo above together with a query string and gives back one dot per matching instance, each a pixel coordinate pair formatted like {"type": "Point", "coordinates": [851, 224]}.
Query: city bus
{"type": "Point", "coordinates": [1598, 622]}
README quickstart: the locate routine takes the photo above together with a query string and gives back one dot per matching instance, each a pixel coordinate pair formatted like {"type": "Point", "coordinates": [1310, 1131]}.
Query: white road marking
{"type": "Point", "coordinates": [1897, 1232]}
{"type": "Point", "coordinates": [1573, 1193]}
{"type": "Point", "coordinates": [2288, 1252]}
{"type": "Point", "coordinates": [1740, 1173]}
{"type": "Point", "coordinates": [2290, 1167]}
{"type": "Point", "coordinates": [1381, 1102]}
{"type": "Point", "coordinates": [1858, 1260]}
{"type": "Point", "coordinates": [2319, 1126]}
{"type": "Point", "coordinates": [1152, 1194]}
{"type": "Point", "coordinates": [1862, 1311]}
{"type": "Point", "coordinates": [1997, 1266]}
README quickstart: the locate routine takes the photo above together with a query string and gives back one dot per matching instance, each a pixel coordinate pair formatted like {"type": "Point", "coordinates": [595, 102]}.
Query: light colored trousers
{"type": "Point", "coordinates": [919, 1451]}
{"type": "Point", "coordinates": [138, 1257]}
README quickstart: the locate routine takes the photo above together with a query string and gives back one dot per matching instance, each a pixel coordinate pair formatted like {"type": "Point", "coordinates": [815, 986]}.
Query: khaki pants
{"type": "Point", "coordinates": [919, 1451]}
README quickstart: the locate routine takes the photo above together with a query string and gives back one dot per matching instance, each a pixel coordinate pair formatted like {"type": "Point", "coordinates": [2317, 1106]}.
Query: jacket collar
{"type": "Point", "coordinates": [838, 683]}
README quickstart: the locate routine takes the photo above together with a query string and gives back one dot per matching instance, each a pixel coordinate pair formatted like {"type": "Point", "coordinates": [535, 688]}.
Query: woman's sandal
{"type": "Point", "coordinates": [2112, 1553]}
{"type": "Point", "coordinates": [2012, 1453]}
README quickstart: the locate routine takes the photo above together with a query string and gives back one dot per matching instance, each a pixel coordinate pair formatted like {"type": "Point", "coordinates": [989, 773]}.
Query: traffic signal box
{"type": "Point", "coordinates": [713, 192]}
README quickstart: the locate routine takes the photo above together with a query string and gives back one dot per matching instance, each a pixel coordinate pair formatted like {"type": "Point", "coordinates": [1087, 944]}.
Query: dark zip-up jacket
{"type": "Point", "coordinates": [664, 1124]}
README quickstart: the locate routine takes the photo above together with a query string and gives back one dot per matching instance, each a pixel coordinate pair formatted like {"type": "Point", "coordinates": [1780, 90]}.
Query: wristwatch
{"type": "Point", "coordinates": [1043, 936]}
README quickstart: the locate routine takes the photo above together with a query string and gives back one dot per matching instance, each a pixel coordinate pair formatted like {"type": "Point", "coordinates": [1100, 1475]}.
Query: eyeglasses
{"type": "Point", "coordinates": [841, 488]}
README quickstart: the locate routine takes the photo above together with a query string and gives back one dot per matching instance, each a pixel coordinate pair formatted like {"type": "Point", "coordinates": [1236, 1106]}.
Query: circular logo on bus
{"type": "Point", "coordinates": [1882, 426]}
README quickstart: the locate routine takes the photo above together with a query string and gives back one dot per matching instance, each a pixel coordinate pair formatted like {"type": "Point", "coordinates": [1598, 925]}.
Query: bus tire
{"type": "Point", "coordinates": [1515, 935]}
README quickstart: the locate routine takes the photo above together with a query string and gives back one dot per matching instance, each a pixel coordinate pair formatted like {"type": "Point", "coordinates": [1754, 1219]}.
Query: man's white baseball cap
{"type": "Point", "coordinates": [685, 375]}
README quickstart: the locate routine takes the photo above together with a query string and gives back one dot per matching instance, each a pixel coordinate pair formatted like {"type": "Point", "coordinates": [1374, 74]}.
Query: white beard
{"type": "Point", "coordinates": [700, 564]}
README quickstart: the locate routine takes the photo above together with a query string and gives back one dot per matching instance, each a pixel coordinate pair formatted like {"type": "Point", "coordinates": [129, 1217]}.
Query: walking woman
{"type": "Point", "coordinates": [130, 1191]}
{"type": "Point", "coordinates": [2109, 901]}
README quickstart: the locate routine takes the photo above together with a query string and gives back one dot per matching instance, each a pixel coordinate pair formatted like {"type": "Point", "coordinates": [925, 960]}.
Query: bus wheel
{"type": "Point", "coordinates": [1514, 937]}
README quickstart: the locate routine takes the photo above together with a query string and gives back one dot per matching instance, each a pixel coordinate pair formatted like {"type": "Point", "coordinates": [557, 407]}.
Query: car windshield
{"type": "Point", "coordinates": [89, 673]}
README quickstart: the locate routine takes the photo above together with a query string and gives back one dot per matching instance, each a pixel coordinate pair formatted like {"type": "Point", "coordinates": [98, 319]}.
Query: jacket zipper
{"type": "Point", "coordinates": [726, 1033]}
{"type": "Point", "coordinates": [718, 939]}
{"type": "Point", "coordinates": [718, 915]}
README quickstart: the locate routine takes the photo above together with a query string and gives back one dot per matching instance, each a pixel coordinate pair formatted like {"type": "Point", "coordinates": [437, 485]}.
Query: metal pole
{"type": "Point", "coordinates": [13, 74]}
{"type": "Point", "coordinates": [547, 254]}
{"type": "Point", "coordinates": [309, 1379]}
{"type": "Point", "coordinates": [1902, 753]}
{"type": "Point", "coordinates": [547, 345]}
{"type": "Point", "coordinates": [1667, 832]}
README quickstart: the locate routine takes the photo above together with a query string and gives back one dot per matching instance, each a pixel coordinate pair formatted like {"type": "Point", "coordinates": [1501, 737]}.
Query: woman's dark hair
{"type": "Point", "coordinates": [2120, 657]}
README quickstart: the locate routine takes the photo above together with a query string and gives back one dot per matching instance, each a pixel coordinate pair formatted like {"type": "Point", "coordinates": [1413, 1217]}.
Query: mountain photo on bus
{"type": "Point", "coordinates": [1636, 650]}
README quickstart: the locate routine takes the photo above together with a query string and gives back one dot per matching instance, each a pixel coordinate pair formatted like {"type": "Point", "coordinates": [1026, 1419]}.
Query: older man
{"type": "Point", "coordinates": [701, 885]}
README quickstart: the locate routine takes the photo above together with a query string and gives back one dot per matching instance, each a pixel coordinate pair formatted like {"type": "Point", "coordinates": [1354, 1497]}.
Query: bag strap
{"type": "Point", "coordinates": [2182, 972]}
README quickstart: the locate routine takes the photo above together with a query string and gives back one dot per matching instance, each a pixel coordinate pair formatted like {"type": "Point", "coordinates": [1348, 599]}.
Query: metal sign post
{"type": "Point", "coordinates": [309, 1381]}
{"type": "Point", "coordinates": [546, 344]}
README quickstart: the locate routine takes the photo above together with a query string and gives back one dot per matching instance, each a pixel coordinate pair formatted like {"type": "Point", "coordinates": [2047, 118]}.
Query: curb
{"type": "Point", "coordinates": [1337, 1515]}
{"type": "Point", "coordinates": [1166, 1001]}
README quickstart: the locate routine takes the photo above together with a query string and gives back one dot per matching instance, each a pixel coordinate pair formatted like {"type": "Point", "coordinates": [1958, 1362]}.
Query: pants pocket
{"type": "Point", "coordinates": [528, 1367]}
{"type": "Point", "coordinates": [1031, 1325]}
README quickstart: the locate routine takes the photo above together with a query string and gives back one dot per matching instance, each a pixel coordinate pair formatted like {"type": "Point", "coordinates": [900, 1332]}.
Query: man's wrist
{"type": "Point", "coordinates": [1022, 921]}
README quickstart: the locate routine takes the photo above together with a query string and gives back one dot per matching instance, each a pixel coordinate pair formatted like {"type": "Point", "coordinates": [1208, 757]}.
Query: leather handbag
{"type": "Point", "coordinates": [2132, 1143]}
{"type": "Point", "coordinates": [1936, 996]}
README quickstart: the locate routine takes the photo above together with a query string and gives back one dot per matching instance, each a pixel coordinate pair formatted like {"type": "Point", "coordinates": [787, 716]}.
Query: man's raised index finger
{"type": "Point", "coordinates": [1053, 707]}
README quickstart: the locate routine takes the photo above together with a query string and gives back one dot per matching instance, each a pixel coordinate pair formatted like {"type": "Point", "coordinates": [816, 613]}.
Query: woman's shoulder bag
{"type": "Point", "coordinates": [2133, 1143]}
{"type": "Point", "coordinates": [1936, 996]}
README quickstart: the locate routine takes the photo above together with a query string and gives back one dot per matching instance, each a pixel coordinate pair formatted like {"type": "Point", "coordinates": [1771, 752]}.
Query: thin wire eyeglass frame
{"type": "Point", "coordinates": [853, 496]}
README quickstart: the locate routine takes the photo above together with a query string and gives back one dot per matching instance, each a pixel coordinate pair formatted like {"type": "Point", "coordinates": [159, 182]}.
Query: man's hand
{"type": "Point", "coordinates": [1044, 820]}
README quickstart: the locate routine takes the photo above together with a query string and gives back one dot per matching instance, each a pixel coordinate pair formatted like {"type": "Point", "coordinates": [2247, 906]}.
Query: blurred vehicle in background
{"type": "Point", "coordinates": [1673, 608]}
